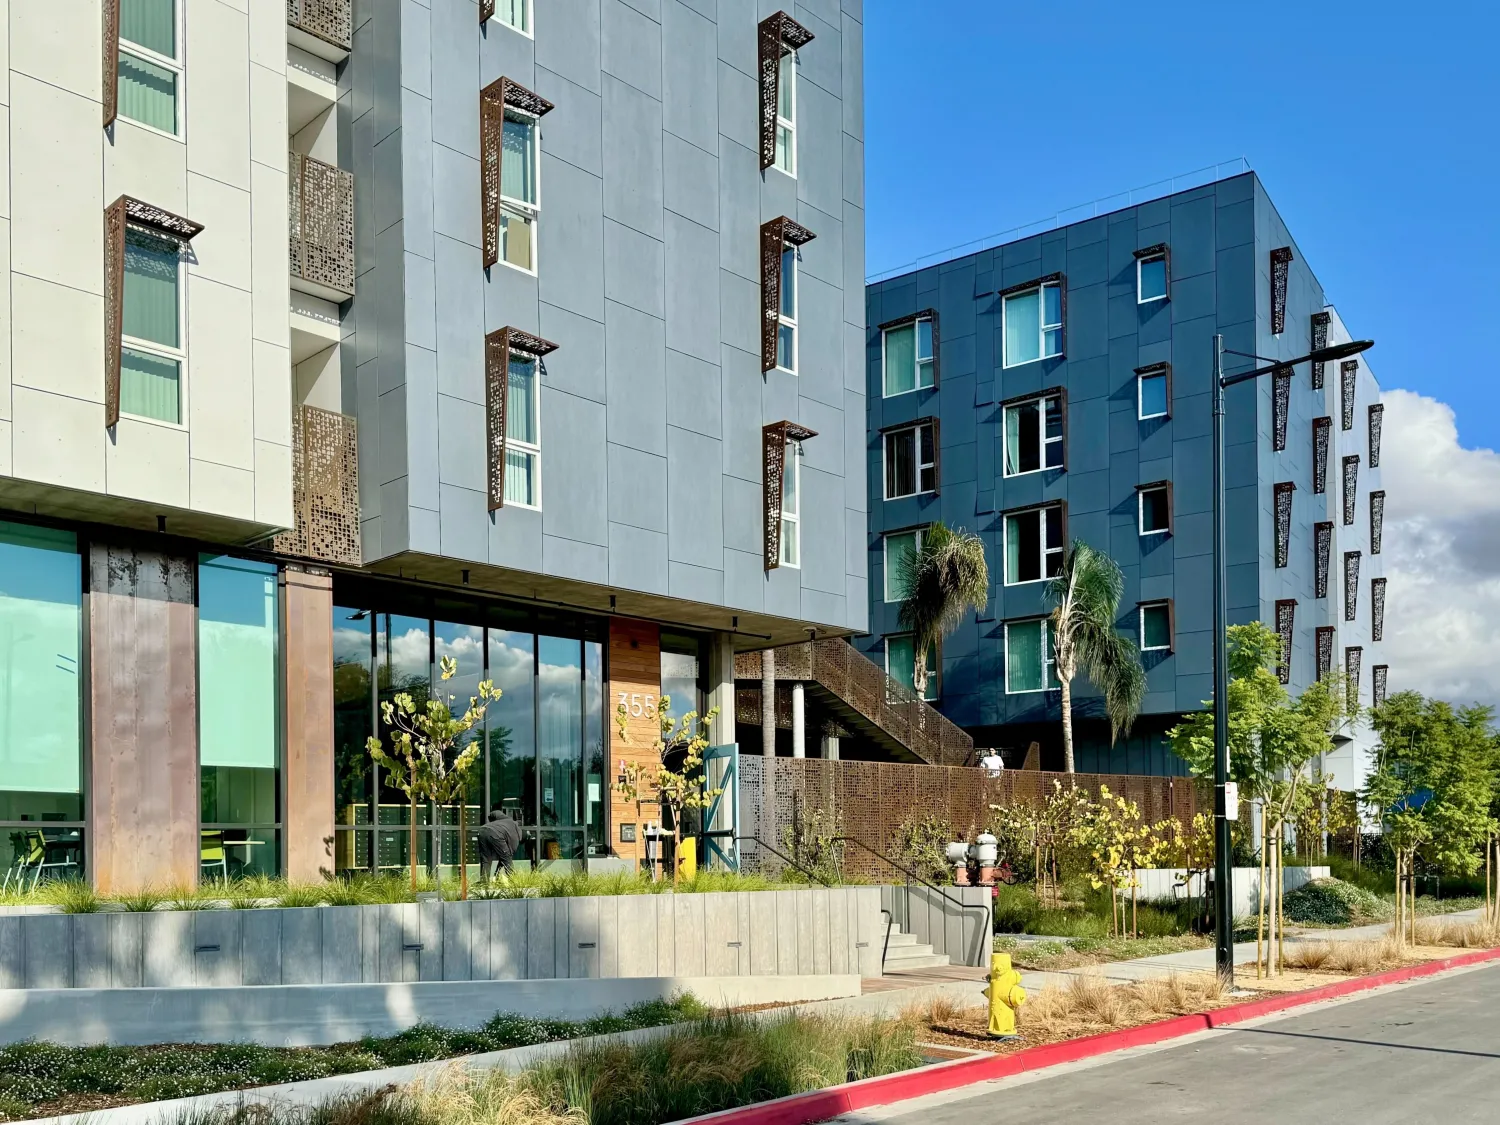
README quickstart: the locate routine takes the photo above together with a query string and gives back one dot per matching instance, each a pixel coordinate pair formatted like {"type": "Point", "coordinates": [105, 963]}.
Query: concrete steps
{"type": "Point", "coordinates": [903, 953]}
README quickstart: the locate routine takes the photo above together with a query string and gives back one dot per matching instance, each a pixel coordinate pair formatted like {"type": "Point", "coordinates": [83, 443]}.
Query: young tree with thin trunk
{"type": "Point", "coordinates": [1085, 596]}
{"type": "Point", "coordinates": [940, 581]}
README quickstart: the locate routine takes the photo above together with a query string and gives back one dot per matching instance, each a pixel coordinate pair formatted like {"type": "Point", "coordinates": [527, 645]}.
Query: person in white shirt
{"type": "Point", "coordinates": [992, 763]}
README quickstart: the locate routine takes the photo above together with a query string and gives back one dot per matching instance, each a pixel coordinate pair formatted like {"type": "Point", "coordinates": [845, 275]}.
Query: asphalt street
{"type": "Point", "coordinates": [1409, 1055]}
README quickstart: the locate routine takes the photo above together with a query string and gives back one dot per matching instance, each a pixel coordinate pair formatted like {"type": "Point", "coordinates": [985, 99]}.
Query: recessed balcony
{"type": "Point", "coordinates": [321, 211]}
{"type": "Point", "coordinates": [321, 27]}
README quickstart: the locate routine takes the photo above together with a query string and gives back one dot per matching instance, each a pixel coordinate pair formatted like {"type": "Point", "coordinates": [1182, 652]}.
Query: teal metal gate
{"type": "Point", "coordinates": [721, 820]}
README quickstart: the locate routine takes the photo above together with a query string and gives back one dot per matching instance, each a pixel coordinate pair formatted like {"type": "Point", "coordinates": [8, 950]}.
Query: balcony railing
{"type": "Point", "coordinates": [326, 26]}
{"type": "Point", "coordinates": [325, 488]}
{"type": "Point", "coordinates": [321, 209]}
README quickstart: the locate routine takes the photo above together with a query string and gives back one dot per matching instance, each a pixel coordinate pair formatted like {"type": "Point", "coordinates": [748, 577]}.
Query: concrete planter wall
{"type": "Point", "coordinates": [1162, 883]}
{"type": "Point", "coordinates": [962, 932]}
{"type": "Point", "coordinates": [763, 933]}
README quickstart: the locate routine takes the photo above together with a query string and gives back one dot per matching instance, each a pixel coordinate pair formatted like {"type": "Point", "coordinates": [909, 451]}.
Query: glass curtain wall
{"type": "Point", "coordinates": [41, 747]}
{"type": "Point", "coordinates": [544, 751]}
{"type": "Point", "coordinates": [238, 718]}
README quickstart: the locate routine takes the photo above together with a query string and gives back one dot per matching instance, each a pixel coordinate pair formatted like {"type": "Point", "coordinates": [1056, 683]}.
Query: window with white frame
{"type": "Point", "coordinates": [899, 546]}
{"type": "Point", "coordinates": [786, 113]}
{"type": "Point", "coordinates": [520, 197]}
{"type": "Point", "coordinates": [901, 664]}
{"type": "Point", "coordinates": [1034, 435]}
{"type": "Point", "coordinates": [151, 353]}
{"type": "Point", "coordinates": [791, 505]}
{"type": "Point", "coordinates": [907, 357]}
{"type": "Point", "coordinates": [1033, 544]}
{"type": "Point", "coordinates": [786, 329]}
{"type": "Point", "coordinates": [515, 14]}
{"type": "Point", "coordinates": [150, 69]}
{"type": "Point", "coordinates": [1151, 279]}
{"type": "Point", "coordinates": [1156, 509]}
{"type": "Point", "coordinates": [1153, 399]}
{"type": "Point", "coordinates": [910, 461]}
{"type": "Point", "coordinates": [1156, 626]}
{"type": "Point", "coordinates": [1033, 324]}
{"type": "Point", "coordinates": [1029, 656]}
{"type": "Point", "coordinates": [523, 433]}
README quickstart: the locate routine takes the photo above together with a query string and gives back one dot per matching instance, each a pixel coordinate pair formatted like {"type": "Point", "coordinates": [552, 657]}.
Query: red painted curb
{"type": "Point", "coordinates": [820, 1105]}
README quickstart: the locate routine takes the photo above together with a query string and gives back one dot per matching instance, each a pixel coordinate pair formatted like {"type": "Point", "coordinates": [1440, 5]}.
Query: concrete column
{"type": "Point", "coordinates": [307, 633]}
{"type": "Point", "coordinates": [721, 688]}
{"type": "Point", "coordinates": [799, 721]}
{"type": "Point", "coordinates": [143, 752]}
{"type": "Point", "coordinates": [830, 747]}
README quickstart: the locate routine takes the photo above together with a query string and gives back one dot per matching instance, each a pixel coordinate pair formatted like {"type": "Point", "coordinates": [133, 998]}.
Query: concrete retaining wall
{"type": "Point", "coordinates": [301, 1015]}
{"type": "Point", "coordinates": [962, 932]}
{"type": "Point", "coordinates": [763, 933]}
{"type": "Point", "coordinates": [1163, 883]}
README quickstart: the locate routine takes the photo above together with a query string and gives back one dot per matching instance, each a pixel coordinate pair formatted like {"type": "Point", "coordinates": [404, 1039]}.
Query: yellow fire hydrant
{"type": "Point", "coordinates": [1005, 994]}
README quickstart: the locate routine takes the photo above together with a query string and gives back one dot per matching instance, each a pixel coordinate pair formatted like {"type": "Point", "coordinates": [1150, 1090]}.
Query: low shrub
{"type": "Point", "coordinates": [33, 1074]}
{"type": "Point", "coordinates": [1332, 902]}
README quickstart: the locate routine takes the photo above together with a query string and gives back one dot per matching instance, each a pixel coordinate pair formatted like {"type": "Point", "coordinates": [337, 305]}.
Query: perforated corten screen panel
{"type": "Point", "coordinates": [1377, 520]}
{"type": "Point", "coordinates": [1322, 433]}
{"type": "Point", "coordinates": [493, 99]}
{"type": "Point", "coordinates": [325, 488]}
{"type": "Point", "coordinates": [1351, 485]}
{"type": "Point", "coordinates": [321, 210]}
{"type": "Point", "coordinates": [1376, 418]}
{"type": "Point", "coordinates": [329, 20]}
{"type": "Point", "coordinates": [1322, 549]}
{"type": "Point", "coordinates": [110, 38]}
{"type": "Point", "coordinates": [1319, 341]}
{"type": "Point", "coordinates": [1353, 655]}
{"type": "Point", "coordinates": [1351, 584]}
{"type": "Point", "coordinates": [1281, 401]}
{"type": "Point", "coordinates": [1325, 650]}
{"type": "Point", "coordinates": [1286, 618]}
{"type": "Point", "coordinates": [1283, 490]}
{"type": "Point", "coordinates": [114, 312]}
{"type": "Point", "coordinates": [1380, 678]}
{"type": "Point", "coordinates": [1377, 609]}
{"type": "Point", "coordinates": [1348, 377]}
{"type": "Point", "coordinates": [1281, 261]}
{"type": "Point", "coordinates": [777, 33]}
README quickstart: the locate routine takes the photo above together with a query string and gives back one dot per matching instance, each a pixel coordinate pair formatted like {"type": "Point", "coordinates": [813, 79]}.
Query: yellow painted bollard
{"type": "Point", "coordinates": [1005, 995]}
{"type": "Point", "coordinates": [687, 860]}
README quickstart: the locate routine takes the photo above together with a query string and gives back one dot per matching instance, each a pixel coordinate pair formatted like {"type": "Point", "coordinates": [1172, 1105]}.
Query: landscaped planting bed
{"type": "Point", "coordinates": [40, 1079]}
{"type": "Point", "coordinates": [72, 896]}
{"type": "Point", "coordinates": [715, 1062]}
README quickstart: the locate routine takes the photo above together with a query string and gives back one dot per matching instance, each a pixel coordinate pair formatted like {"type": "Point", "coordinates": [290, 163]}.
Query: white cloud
{"type": "Point", "coordinates": [1442, 547]}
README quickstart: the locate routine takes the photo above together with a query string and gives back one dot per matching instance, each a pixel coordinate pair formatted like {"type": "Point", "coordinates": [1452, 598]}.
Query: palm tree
{"type": "Point", "coordinates": [1085, 596]}
{"type": "Point", "coordinates": [940, 581]}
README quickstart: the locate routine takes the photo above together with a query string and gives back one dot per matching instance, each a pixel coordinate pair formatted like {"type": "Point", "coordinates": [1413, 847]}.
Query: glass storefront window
{"type": "Point", "coordinates": [41, 743]}
{"type": "Point", "coordinates": [545, 759]}
{"type": "Point", "coordinates": [238, 716]}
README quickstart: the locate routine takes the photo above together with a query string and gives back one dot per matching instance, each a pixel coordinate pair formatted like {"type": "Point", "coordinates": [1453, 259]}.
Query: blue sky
{"type": "Point", "coordinates": [1371, 124]}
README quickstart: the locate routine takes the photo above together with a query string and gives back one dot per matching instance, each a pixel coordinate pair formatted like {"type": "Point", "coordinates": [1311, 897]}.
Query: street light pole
{"type": "Point", "coordinates": [1223, 842]}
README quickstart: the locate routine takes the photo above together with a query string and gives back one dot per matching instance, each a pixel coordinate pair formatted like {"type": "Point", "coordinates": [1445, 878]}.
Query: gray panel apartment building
{"type": "Point", "coordinates": [1057, 388]}
{"type": "Point", "coordinates": [345, 336]}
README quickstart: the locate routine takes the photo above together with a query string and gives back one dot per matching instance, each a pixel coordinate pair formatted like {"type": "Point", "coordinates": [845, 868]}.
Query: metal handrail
{"type": "Point", "coordinates": [787, 859]}
{"type": "Point", "coordinates": [910, 874]}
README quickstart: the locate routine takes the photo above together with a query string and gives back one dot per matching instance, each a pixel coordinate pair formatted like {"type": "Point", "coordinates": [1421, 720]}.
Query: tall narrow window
{"type": "Point", "coordinates": [1033, 544]}
{"type": "Point", "coordinates": [1156, 626]}
{"type": "Point", "coordinates": [901, 665]}
{"type": "Point", "coordinates": [791, 506]}
{"type": "Point", "coordinates": [515, 14]}
{"type": "Point", "coordinates": [1034, 435]}
{"type": "Point", "coordinates": [151, 352]}
{"type": "Point", "coordinates": [1153, 391]}
{"type": "Point", "coordinates": [238, 739]}
{"type": "Point", "coordinates": [1029, 656]}
{"type": "Point", "coordinates": [911, 461]}
{"type": "Point", "coordinates": [519, 197]}
{"type": "Point", "coordinates": [1155, 502]}
{"type": "Point", "coordinates": [1151, 278]}
{"type": "Point", "coordinates": [523, 433]}
{"type": "Point", "coordinates": [907, 356]}
{"type": "Point", "coordinates": [150, 67]}
{"type": "Point", "coordinates": [786, 113]}
{"type": "Point", "coordinates": [899, 546]}
{"type": "Point", "coordinates": [1286, 617]}
{"type": "Point", "coordinates": [1033, 323]}
{"type": "Point", "coordinates": [786, 330]}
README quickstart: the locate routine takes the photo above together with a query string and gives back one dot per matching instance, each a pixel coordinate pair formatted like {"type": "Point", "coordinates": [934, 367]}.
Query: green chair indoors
{"type": "Point", "coordinates": [212, 854]}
